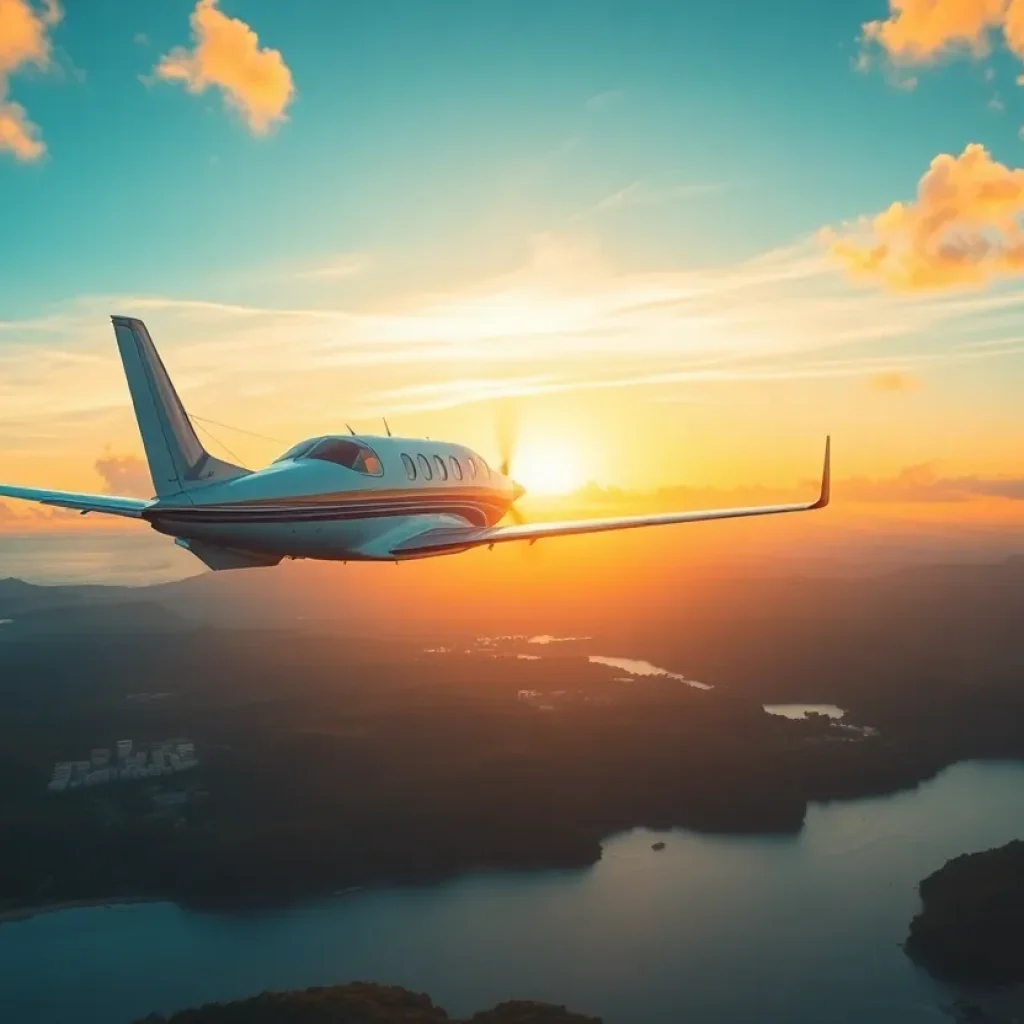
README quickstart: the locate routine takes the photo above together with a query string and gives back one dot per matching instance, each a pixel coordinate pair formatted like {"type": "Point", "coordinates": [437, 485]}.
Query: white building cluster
{"type": "Point", "coordinates": [166, 758]}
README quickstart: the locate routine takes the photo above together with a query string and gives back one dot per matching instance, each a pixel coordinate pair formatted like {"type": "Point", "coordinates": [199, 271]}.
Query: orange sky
{"type": "Point", "coordinates": [659, 320]}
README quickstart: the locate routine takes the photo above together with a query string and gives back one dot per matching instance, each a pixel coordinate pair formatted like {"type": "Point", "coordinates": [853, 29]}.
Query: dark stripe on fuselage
{"type": "Point", "coordinates": [478, 515]}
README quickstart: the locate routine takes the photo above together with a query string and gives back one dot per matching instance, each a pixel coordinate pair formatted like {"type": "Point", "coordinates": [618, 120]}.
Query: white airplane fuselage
{"type": "Point", "coordinates": [311, 508]}
{"type": "Point", "coordinates": [338, 497]}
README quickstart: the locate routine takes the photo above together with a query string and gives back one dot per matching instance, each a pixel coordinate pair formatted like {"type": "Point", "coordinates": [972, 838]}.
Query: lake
{"type": "Point", "coordinates": [711, 929]}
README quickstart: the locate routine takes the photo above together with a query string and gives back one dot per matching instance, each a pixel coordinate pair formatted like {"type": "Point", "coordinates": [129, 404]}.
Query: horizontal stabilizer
{"type": "Point", "coordinates": [220, 558]}
{"type": "Point", "coordinates": [130, 507]}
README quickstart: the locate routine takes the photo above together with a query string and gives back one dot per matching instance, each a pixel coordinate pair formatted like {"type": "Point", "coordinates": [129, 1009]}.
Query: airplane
{"type": "Point", "coordinates": [336, 497]}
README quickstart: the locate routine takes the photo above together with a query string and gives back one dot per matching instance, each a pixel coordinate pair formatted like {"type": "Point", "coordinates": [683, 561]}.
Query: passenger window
{"type": "Point", "coordinates": [350, 454]}
{"type": "Point", "coordinates": [410, 466]}
{"type": "Point", "coordinates": [456, 468]}
{"type": "Point", "coordinates": [485, 470]}
{"type": "Point", "coordinates": [442, 470]}
{"type": "Point", "coordinates": [471, 463]}
{"type": "Point", "coordinates": [424, 467]}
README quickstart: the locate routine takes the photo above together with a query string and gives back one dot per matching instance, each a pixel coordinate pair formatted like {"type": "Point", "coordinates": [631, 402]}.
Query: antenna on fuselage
{"type": "Point", "coordinates": [350, 430]}
{"type": "Point", "coordinates": [386, 427]}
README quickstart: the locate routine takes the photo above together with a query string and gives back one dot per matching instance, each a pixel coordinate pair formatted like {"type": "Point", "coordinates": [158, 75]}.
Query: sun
{"type": "Point", "coordinates": [551, 469]}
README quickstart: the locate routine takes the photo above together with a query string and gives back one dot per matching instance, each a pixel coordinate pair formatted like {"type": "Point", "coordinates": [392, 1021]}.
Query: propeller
{"type": "Point", "coordinates": [507, 431]}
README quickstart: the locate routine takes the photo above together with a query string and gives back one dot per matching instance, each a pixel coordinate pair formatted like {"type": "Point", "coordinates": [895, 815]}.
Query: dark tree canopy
{"type": "Point", "coordinates": [360, 1003]}
{"type": "Point", "coordinates": [971, 926]}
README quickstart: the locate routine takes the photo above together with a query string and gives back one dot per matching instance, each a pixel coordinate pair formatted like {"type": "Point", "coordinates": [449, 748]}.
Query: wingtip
{"type": "Point", "coordinates": [826, 476]}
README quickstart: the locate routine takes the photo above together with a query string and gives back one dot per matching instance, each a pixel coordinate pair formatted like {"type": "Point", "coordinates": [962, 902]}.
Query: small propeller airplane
{"type": "Point", "coordinates": [337, 497]}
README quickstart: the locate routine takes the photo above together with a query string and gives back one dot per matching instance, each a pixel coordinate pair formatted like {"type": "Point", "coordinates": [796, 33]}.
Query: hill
{"type": "Point", "coordinates": [361, 1003]}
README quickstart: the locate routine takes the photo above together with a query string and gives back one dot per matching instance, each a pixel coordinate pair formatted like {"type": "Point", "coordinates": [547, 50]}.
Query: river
{"type": "Point", "coordinates": [711, 929]}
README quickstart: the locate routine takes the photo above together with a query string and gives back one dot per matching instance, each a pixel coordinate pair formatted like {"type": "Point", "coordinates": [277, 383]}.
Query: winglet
{"type": "Point", "coordinates": [826, 477]}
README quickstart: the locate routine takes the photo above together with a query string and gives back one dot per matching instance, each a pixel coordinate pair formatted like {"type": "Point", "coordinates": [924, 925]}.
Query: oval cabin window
{"type": "Point", "coordinates": [424, 467]}
{"type": "Point", "coordinates": [456, 467]}
{"type": "Point", "coordinates": [410, 466]}
{"type": "Point", "coordinates": [442, 469]}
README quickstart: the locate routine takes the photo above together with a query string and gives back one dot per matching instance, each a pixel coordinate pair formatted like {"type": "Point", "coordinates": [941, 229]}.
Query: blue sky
{"type": "Point", "coordinates": [422, 128]}
{"type": "Point", "coordinates": [608, 209]}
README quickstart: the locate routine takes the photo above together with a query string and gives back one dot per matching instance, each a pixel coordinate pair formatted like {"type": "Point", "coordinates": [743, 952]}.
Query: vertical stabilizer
{"type": "Point", "coordinates": [177, 459]}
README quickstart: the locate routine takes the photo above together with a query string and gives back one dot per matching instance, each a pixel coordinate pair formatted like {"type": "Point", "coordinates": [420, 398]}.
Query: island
{"type": "Point", "coordinates": [175, 742]}
{"type": "Point", "coordinates": [362, 1003]}
{"type": "Point", "coordinates": [971, 925]}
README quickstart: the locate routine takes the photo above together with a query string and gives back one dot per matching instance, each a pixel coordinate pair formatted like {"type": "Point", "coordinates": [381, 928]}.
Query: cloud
{"type": "Point", "coordinates": [962, 230]}
{"type": "Point", "coordinates": [346, 265]}
{"type": "Point", "coordinates": [923, 31]}
{"type": "Point", "coordinates": [24, 42]}
{"type": "Point", "coordinates": [566, 320]}
{"type": "Point", "coordinates": [645, 193]}
{"type": "Point", "coordinates": [893, 381]}
{"type": "Point", "coordinates": [920, 31]}
{"type": "Point", "coordinates": [125, 475]}
{"type": "Point", "coordinates": [227, 54]}
{"type": "Point", "coordinates": [17, 515]}
{"type": "Point", "coordinates": [921, 483]}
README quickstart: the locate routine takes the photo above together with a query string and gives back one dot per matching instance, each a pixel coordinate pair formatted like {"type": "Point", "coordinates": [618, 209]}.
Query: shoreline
{"type": "Point", "coordinates": [14, 914]}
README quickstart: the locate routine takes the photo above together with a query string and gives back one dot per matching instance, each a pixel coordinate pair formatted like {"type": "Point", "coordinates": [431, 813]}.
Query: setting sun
{"type": "Point", "coordinates": [551, 469]}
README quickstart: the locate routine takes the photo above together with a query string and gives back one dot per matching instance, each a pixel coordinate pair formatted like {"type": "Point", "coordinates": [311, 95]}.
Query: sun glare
{"type": "Point", "coordinates": [553, 469]}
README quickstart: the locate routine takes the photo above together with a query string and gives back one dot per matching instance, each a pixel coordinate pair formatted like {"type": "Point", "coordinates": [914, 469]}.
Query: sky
{"type": "Point", "coordinates": [682, 242]}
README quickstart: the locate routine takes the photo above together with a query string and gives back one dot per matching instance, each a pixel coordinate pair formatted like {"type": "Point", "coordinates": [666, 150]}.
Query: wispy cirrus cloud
{"type": "Point", "coordinates": [25, 28]}
{"type": "Point", "coordinates": [644, 192]}
{"type": "Point", "coordinates": [253, 79]}
{"type": "Point", "coordinates": [565, 320]}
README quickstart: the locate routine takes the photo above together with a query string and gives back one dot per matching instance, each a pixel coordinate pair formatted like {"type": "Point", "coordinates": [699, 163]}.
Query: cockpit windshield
{"type": "Point", "coordinates": [298, 450]}
{"type": "Point", "coordinates": [349, 453]}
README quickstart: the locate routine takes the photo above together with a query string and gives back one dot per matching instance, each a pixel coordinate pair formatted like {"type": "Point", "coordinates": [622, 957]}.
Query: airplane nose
{"type": "Point", "coordinates": [518, 490]}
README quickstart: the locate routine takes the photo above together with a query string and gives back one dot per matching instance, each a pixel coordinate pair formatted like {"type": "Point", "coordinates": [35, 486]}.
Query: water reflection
{"type": "Point", "coordinates": [804, 929]}
{"type": "Point", "coordinates": [637, 667]}
{"type": "Point", "coordinates": [803, 710]}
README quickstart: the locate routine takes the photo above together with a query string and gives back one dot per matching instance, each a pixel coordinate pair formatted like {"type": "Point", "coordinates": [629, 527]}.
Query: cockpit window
{"type": "Point", "coordinates": [351, 454]}
{"type": "Point", "coordinates": [298, 450]}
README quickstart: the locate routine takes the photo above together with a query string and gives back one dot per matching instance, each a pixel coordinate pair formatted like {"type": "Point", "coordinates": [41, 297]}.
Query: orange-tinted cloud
{"type": "Point", "coordinates": [24, 42]}
{"type": "Point", "coordinates": [125, 475]}
{"type": "Point", "coordinates": [923, 484]}
{"type": "Point", "coordinates": [917, 485]}
{"type": "Point", "coordinates": [963, 228]}
{"type": "Point", "coordinates": [918, 31]}
{"type": "Point", "coordinates": [227, 54]}
{"type": "Point", "coordinates": [894, 380]}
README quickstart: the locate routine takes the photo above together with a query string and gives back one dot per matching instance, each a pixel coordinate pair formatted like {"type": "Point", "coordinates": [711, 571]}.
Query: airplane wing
{"type": "Point", "coordinates": [131, 507]}
{"type": "Point", "coordinates": [451, 539]}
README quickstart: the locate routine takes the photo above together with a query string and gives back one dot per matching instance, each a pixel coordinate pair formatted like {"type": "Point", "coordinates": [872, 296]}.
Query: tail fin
{"type": "Point", "coordinates": [177, 459]}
